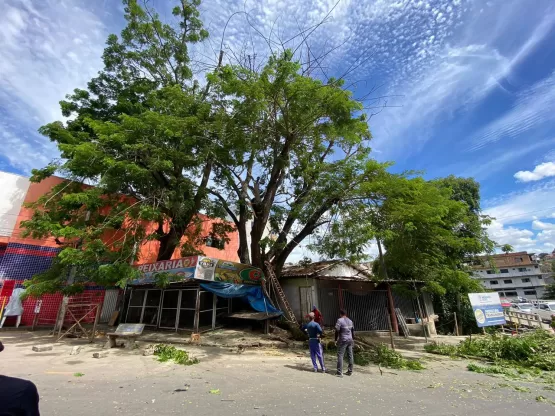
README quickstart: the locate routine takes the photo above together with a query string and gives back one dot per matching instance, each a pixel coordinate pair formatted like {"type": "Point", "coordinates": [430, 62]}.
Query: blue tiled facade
{"type": "Point", "coordinates": [23, 261]}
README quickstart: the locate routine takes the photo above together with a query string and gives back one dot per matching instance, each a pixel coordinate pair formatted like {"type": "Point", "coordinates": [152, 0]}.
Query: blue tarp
{"type": "Point", "coordinates": [252, 294]}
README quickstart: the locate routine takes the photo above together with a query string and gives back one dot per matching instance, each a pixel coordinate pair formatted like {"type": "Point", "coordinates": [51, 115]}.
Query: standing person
{"type": "Point", "coordinates": [318, 317]}
{"type": "Point", "coordinates": [18, 396]}
{"type": "Point", "coordinates": [314, 332]}
{"type": "Point", "coordinates": [344, 339]}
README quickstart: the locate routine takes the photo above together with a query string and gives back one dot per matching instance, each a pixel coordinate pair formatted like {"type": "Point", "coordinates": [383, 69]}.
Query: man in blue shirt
{"type": "Point", "coordinates": [314, 332]}
{"type": "Point", "coordinates": [344, 339]}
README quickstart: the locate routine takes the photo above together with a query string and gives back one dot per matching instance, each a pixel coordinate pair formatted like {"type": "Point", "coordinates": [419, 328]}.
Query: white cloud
{"type": "Point", "coordinates": [540, 225]}
{"type": "Point", "coordinates": [532, 110]}
{"type": "Point", "coordinates": [533, 203]}
{"type": "Point", "coordinates": [516, 210]}
{"type": "Point", "coordinates": [543, 170]}
{"type": "Point", "coordinates": [47, 48]}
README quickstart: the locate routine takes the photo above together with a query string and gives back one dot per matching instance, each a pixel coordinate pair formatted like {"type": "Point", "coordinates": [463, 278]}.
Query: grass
{"type": "Point", "coordinates": [535, 351]}
{"type": "Point", "coordinates": [166, 352]}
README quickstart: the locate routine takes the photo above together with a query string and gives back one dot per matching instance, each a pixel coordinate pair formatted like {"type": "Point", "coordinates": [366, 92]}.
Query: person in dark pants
{"type": "Point", "coordinates": [18, 397]}
{"type": "Point", "coordinates": [344, 339]}
{"type": "Point", "coordinates": [314, 332]}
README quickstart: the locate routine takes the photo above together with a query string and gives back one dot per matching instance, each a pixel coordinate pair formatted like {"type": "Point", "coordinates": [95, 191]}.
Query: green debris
{"type": "Point", "coordinates": [215, 391]}
{"type": "Point", "coordinates": [541, 399]}
{"type": "Point", "coordinates": [383, 355]}
{"type": "Point", "coordinates": [522, 389]}
{"type": "Point", "coordinates": [78, 375]}
{"type": "Point", "coordinates": [535, 350]}
{"type": "Point", "coordinates": [166, 352]}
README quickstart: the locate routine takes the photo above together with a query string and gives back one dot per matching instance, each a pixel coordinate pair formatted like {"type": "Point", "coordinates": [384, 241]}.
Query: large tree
{"type": "Point", "coordinates": [298, 148]}
{"type": "Point", "coordinates": [144, 128]}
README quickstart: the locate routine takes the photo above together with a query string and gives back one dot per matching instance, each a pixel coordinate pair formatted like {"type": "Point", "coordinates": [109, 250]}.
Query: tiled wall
{"type": "Point", "coordinates": [20, 262]}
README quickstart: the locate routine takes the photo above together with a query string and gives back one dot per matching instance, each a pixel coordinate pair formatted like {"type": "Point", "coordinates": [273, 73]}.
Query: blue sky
{"type": "Point", "coordinates": [469, 84]}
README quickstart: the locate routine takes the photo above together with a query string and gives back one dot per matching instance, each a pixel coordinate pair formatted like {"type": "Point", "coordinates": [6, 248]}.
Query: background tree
{"type": "Point", "coordinates": [424, 233]}
{"type": "Point", "coordinates": [506, 248]}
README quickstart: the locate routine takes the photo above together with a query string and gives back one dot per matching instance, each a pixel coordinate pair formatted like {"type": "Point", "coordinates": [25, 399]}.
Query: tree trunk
{"type": "Point", "coordinates": [169, 242]}
{"type": "Point", "coordinates": [243, 251]}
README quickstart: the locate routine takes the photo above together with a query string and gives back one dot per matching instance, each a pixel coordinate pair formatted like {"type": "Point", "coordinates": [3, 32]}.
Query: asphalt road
{"type": "Point", "coordinates": [253, 383]}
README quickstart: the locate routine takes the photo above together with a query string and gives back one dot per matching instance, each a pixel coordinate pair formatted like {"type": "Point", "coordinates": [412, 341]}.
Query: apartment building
{"type": "Point", "coordinates": [512, 275]}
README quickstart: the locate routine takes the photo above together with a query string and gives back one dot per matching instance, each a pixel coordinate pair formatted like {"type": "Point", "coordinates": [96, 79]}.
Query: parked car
{"type": "Point", "coordinates": [522, 307]}
{"type": "Point", "coordinates": [546, 311]}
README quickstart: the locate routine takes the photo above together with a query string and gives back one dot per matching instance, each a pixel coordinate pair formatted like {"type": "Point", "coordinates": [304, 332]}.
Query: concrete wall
{"type": "Point", "coordinates": [13, 190]}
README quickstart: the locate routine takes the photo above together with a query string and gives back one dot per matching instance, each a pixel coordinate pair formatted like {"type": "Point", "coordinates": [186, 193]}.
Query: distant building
{"type": "Point", "coordinates": [512, 275]}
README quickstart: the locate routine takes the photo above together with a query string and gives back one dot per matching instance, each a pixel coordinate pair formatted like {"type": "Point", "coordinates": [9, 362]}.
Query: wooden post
{"type": "Point", "coordinates": [484, 330]}
{"type": "Point", "coordinates": [424, 329]}
{"type": "Point", "coordinates": [456, 324]}
{"type": "Point", "coordinates": [392, 319]}
{"type": "Point", "coordinates": [390, 332]}
{"type": "Point", "coordinates": [96, 318]}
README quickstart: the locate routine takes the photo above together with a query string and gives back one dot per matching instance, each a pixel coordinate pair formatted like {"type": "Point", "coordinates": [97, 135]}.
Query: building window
{"type": "Point", "coordinates": [540, 277]}
{"type": "Point", "coordinates": [507, 281]}
{"type": "Point", "coordinates": [504, 270]}
{"type": "Point", "coordinates": [529, 292]}
{"type": "Point", "coordinates": [526, 280]}
{"type": "Point", "coordinates": [511, 294]}
{"type": "Point", "coordinates": [493, 282]}
{"type": "Point", "coordinates": [489, 272]}
{"type": "Point", "coordinates": [215, 242]}
{"type": "Point", "coordinates": [535, 267]}
{"type": "Point", "coordinates": [522, 269]}
{"type": "Point", "coordinates": [518, 259]}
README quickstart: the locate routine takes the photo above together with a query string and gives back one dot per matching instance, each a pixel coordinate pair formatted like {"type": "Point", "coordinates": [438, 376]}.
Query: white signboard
{"type": "Point", "coordinates": [487, 309]}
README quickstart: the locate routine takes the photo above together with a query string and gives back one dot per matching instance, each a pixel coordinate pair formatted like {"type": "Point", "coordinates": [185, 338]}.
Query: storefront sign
{"type": "Point", "coordinates": [487, 309]}
{"type": "Point", "coordinates": [183, 269]}
{"type": "Point", "coordinates": [201, 268]}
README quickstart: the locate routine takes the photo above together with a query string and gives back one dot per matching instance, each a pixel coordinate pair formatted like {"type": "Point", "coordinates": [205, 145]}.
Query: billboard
{"type": "Point", "coordinates": [487, 309]}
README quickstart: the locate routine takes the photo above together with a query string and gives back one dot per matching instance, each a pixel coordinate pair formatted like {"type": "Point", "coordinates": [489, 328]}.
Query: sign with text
{"type": "Point", "coordinates": [487, 309]}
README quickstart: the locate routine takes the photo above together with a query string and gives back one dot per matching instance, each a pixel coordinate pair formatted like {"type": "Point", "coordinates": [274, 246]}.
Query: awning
{"type": "Point", "coordinates": [253, 295]}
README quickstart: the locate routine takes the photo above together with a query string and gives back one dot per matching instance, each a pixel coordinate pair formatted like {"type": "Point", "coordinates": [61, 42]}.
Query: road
{"type": "Point", "coordinates": [261, 382]}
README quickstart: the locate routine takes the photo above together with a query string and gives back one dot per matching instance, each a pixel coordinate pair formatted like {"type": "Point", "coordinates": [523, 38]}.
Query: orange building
{"type": "Point", "coordinates": [22, 258]}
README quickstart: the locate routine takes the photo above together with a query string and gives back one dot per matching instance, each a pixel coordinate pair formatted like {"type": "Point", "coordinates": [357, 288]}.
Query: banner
{"type": "Point", "coordinates": [487, 309]}
{"type": "Point", "coordinates": [237, 273]}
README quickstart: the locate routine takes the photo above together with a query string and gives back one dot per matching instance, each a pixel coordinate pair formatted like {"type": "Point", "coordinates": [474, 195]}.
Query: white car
{"type": "Point", "coordinates": [545, 310]}
{"type": "Point", "coordinates": [522, 307]}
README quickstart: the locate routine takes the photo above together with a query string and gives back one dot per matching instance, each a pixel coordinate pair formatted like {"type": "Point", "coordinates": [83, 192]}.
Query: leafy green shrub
{"type": "Point", "coordinates": [166, 352]}
{"type": "Point", "coordinates": [533, 350]}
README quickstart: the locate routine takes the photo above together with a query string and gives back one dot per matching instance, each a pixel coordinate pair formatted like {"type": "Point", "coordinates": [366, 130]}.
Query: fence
{"type": "Point", "coordinates": [369, 311]}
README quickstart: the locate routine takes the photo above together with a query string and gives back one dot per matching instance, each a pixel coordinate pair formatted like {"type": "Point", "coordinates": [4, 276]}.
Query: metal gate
{"type": "Point", "coordinates": [369, 311]}
{"type": "Point", "coordinates": [109, 305]}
